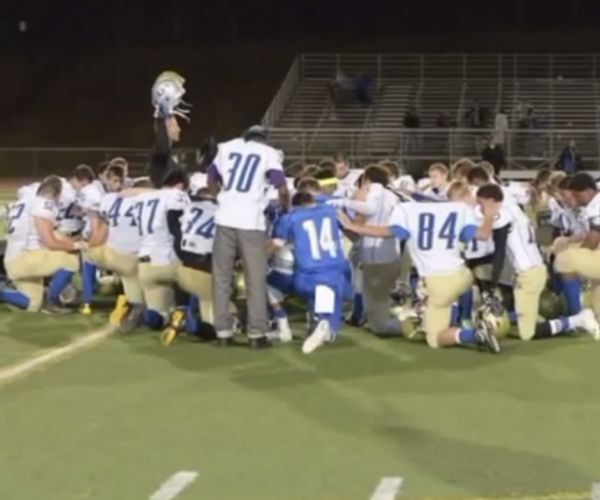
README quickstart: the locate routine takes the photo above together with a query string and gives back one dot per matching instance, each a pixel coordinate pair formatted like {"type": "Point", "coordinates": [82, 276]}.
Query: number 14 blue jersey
{"type": "Point", "coordinates": [317, 238]}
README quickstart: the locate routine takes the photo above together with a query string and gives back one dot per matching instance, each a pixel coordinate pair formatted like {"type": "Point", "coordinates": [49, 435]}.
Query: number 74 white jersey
{"type": "Point", "coordinates": [198, 227]}
{"type": "Point", "coordinates": [434, 232]}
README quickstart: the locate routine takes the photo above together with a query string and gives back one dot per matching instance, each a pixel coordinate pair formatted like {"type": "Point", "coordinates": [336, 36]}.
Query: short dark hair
{"type": "Point", "coordinates": [84, 172]}
{"type": "Point", "coordinates": [308, 184]}
{"type": "Point", "coordinates": [565, 183]}
{"type": "Point", "coordinates": [490, 192]}
{"type": "Point", "coordinates": [581, 182]}
{"type": "Point", "coordinates": [142, 182]}
{"type": "Point", "coordinates": [115, 171]}
{"type": "Point", "coordinates": [392, 167]}
{"type": "Point", "coordinates": [176, 176]}
{"type": "Point", "coordinates": [324, 173]}
{"type": "Point", "coordinates": [377, 175]}
{"type": "Point", "coordinates": [327, 166]}
{"type": "Point", "coordinates": [302, 198]}
{"type": "Point", "coordinates": [478, 174]}
{"type": "Point", "coordinates": [50, 185]}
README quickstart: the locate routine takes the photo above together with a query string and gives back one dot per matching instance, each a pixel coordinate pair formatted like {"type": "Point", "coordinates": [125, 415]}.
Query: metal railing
{"type": "Point", "coordinates": [36, 162]}
{"type": "Point", "coordinates": [523, 148]}
{"type": "Point", "coordinates": [284, 94]}
{"type": "Point", "coordinates": [452, 66]}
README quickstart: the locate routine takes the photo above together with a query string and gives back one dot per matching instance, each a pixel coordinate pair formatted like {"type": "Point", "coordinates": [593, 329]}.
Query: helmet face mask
{"type": "Point", "coordinates": [167, 96]}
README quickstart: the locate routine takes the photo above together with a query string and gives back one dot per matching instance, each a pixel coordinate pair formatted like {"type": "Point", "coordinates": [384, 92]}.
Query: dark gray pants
{"type": "Point", "coordinates": [251, 246]}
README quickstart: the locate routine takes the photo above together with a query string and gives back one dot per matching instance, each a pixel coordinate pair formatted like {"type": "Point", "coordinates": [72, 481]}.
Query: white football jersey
{"type": "Point", "coordinates": [433, 231]}
{"type": "Point", "coordinates": [405, 182]}
{"type": "Point", "coordinates": [591, 214]}
{"type": "Point", "coordinates": [477, 249]}
{"type": "Point", "coordinates": [21, 233]}
{"type": "Point", "coordinates": [272, 193]}
{"type": "Point", "coordinates": [519, 191]}
{"type": "Point", "coordinates": [245, 167]}
{"type": "Point", "coordinates": [566, 219]}
{"type": "Point", "coordinates": [198, 180]}
{"type": "Point", "coordinates": [523, 250]}
{"type": "Point", "coordinates": [119, 213]}
{"type": "Point", "coordinates": [69, 216]}
{"type": "Point", "coordinates": [379, 250]}
{"type": "Point", "coordinates": [89, 198]}
{"type": "Point", "coordinates": [198, 227]}
{"type": "Point", "coordinates": [438, 194]}
{"type": "Point", "coordinates": [347, 186]}
{"type": "Point", "coordinates": [151, 216]}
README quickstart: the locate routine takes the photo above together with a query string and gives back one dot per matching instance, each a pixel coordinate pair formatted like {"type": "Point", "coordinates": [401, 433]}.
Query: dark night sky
{"type": "Point", "coordinates": [98, 22]}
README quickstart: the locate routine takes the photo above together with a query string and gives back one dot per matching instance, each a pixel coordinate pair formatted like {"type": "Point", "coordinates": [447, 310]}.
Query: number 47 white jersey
{"type": "Point", "coordinates": [434, 232]}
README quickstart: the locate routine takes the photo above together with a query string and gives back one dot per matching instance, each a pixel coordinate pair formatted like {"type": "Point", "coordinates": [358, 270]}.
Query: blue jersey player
{"type": "Point", "coordinates": [321, 270]}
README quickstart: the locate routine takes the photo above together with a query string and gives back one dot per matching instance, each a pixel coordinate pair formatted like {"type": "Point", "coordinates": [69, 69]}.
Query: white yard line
{"type": "Point", "coordinates": [173, 486]}
{"type": "Point", "coordinates": [595, 491]}
{"type": "Point", "coordinates": [387, 489]}
{"type": "Point", "coordinates": [22, 368]}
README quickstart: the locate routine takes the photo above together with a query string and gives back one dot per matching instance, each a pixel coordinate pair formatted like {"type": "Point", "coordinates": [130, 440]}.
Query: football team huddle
{"type": "Point", "coordinates": [458, 258]}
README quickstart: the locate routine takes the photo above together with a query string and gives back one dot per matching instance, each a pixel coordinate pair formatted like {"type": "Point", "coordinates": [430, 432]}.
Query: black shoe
{"type": "Point", "coordinates": [51, 307]}
{"type": "Point", "coordinates": [225, 342]}
{"type": "Point", "coordinates": [134, 318]}
{"type": "Point", "coordinates": [259, 343]}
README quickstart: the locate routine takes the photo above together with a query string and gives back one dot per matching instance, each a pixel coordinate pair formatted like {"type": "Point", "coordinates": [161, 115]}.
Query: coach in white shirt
{"type": "Point", "coordinates": [242, 171]}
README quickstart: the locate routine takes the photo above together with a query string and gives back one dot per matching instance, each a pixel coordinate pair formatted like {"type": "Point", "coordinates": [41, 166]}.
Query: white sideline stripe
{"type": "Point", "coordinates": [174, 485]}
{"type": "Point", "coordinates": [387, 489]}
{"type": "Point", "coordinates": [22, 368]}
{"type": "Point", "coordinates": [595, 491]}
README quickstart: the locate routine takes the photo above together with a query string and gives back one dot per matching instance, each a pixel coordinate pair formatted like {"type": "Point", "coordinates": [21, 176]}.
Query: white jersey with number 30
{"type": "Point", "coordinates": [151, 217]}
{"type": "Point", "coordinates": [434, 231]}
{"type": "Point", "coordinates": [22, 234]}
{"type": "Point", "coordinates": [244, 168]}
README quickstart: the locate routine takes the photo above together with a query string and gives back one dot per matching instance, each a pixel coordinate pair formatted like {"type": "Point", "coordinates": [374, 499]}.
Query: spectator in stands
{"type": "Point", "coordinates": [500, 127]}
{"type": "Point", "coordinates": [411, 118]}
{"type": "Point", "coordinates": [443, 121]}
{"type": "Point", "coordinates": [477, 115]}
{"type": "Point", "coordinates": [570, 160]}
{"type": "Point", "coordinates": [363, 84]}
{"type": "Point", "coordinates": [494, 154]}
{"type": "Point", "coordinates": [411, 121]}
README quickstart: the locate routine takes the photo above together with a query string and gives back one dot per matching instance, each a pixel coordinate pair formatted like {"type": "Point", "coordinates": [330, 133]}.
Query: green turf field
{"type": "Point", "coordinates": [117, 420]}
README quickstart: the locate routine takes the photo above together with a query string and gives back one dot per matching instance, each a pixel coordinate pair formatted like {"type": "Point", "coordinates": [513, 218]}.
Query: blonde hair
{"type": "Point", "coordinates": [461, 168]}
{"type": "Point", "coordinates": [488, 167]}
{"type": "Point", "coordinates": [438, 167]}
{"type": "Point", "coordinates": [458, 189]}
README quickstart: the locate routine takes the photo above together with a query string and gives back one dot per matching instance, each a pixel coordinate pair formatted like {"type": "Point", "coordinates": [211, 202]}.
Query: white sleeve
{"type": "Point", "coordinates": [368, 207]}
{"type": "Point", "coordinates": [45, 209]}
{"type": "Point", "coordinates": [178, 201]}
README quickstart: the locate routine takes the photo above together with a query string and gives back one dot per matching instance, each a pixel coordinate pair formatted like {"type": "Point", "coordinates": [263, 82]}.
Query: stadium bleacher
{"type": "Point", "coordinates": [561, 89]}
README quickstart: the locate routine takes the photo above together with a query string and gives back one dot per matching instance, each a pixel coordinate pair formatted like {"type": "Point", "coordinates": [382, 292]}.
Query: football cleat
{"type": "Point", "coordinates": [176, 324]}
{"type": "Point", "coordinates": [119, 312]}
{"type": "Point", "coordinates": [586, 320]}
{"type": "Point", "coordinates": [134, 318]}
{"type": "Point", "coordinates": [320, 335]}
{"type": "Point", "coordinates": [486, 337]}
{"type": "Point", "coordinates": [86, 309]}
{"type": "Point", "coordinates": [51, 307]}
{"type": "Point", "coordinates": [259, 343]}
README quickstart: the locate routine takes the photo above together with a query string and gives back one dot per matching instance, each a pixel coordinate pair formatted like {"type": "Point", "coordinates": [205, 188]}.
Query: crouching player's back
{"type": "Point", "coordinates": [321, 269]}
